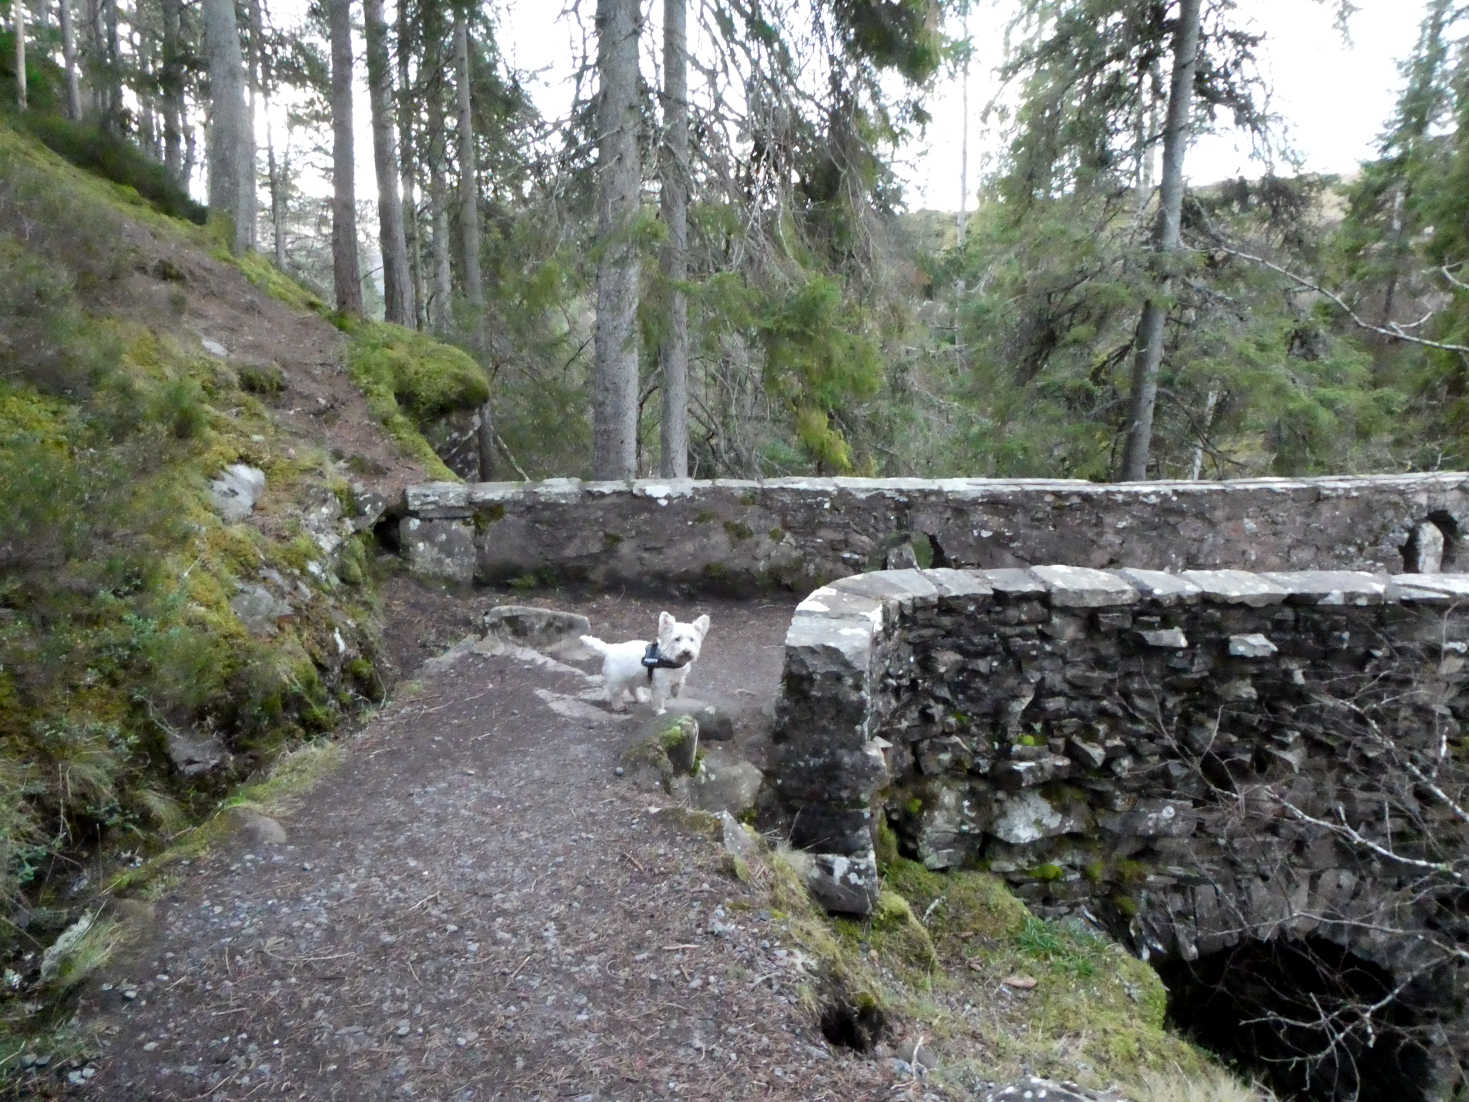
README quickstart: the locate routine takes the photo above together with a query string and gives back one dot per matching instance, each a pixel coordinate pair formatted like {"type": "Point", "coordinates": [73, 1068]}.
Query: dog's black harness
{"type": "Point", "coordinates": [652, 660]}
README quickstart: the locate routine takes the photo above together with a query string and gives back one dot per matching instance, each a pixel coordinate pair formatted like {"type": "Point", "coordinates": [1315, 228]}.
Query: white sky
{"type": "Point", "coordinates": [1335, 97]}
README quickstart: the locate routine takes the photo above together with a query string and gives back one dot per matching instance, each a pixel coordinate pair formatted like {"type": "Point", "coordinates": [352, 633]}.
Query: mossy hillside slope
{"type": "Point", "coordinates": [954, 965]}
{"type": "Point", "coordinates": [119, 583]}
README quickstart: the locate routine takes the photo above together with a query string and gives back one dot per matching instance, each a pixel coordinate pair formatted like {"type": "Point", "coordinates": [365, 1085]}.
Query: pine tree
{"type": "Point", "coordinates": [1167, 237]}
{"type": "Point", "coordinates": [397, 280]}
{"type": "Point", "coordinates": [346, 272]}
{"type": "Point", "coordinates": [674, 182]}
{"type": "Point", "coordinates": [615, 377]}
{"type": "Point", "coordinates": [231, 146]}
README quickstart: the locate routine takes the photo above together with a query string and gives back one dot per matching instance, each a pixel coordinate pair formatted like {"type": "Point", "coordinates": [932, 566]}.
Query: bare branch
{"type": "Point", "coordinates": [1392, 329]}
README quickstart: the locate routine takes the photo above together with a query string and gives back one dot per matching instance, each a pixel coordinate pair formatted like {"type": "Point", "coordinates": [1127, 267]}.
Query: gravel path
{"type": "Point", "coordinates": [475, 906]}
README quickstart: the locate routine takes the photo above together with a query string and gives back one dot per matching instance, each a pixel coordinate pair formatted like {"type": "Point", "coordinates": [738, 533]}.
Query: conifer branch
{"type": "Point", "coordinates": [1391, 329]}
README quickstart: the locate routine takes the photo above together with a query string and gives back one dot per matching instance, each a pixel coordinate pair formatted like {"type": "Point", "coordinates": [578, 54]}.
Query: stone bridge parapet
{"type": "Point", "coordinates": [796, 533]}
{"type": "Point", "coordinates": [1192, 759]}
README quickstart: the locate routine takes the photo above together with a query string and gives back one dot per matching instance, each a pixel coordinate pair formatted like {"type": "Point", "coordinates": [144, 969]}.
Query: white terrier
{"type": "Point", "coordinates": [661, 667]}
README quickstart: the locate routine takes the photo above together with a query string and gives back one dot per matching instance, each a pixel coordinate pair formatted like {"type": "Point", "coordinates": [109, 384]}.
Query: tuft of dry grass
{"type": "Point", "coordinates": [1212, 1085]}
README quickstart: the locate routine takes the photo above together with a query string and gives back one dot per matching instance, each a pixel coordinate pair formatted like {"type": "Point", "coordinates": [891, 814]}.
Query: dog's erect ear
{"type": "Point", "coordinates": [665, 621]}
{"type": "Point", "coordinates": [701, 625]}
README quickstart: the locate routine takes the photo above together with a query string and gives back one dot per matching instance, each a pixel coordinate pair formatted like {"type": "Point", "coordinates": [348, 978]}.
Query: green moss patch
{"type": "Point", "coordinates": [410, 379]}
{"type": "Point", "coordinates": [1070, 998]}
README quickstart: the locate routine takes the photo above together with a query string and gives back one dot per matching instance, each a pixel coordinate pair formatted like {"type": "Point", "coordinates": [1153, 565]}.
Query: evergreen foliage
{"type": "Point", "coordinates": [92, 146]}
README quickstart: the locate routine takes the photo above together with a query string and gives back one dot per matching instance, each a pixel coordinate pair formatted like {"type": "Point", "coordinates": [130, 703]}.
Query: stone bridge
{"type": "Point", "coordinates": [1256, 778]}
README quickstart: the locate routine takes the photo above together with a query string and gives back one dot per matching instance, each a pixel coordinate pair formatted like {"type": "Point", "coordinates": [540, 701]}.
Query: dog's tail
{"type": "Point", "coordinates": [593, 644]}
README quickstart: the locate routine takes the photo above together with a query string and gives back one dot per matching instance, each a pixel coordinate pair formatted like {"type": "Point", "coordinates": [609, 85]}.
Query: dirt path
{"type": "Point", "coordinates": [475, 906]}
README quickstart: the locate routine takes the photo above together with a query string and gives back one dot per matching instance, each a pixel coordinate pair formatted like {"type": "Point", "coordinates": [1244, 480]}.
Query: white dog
{"type": "Point", "coordinates": [661, 667]}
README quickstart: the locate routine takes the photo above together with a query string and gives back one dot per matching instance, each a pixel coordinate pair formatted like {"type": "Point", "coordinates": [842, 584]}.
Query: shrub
{"type": "Point", "coordinates": [87, 145]}
{"type": "Point", "coordinates": [44, 78]}
{"type": "Point", "coordinates": [47, 340]}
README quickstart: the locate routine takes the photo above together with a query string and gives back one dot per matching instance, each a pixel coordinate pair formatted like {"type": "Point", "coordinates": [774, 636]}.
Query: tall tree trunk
{"type": "Point", "coordinates": [346, 274]}
{"type": "Point", "coordinates": [231, 149]}
{"type": "Point", "coordinates": [615, 374]}
{"type": "Point", "coordinates": [255, 87]}
{"type": "Point", "coordinates": [191, 151]}
{"type": "Point", "coordinates": [277, 169]}
{"type": "Point", "coordinates": [1149, 101]}
{"type": "Point", "coordinates": [673, 459]}
{"type": "Point", "coordinates": [397, 287]}
{"type": "Point", "coordinates": [18, 9]}
{"type": "Point", "coordinates": [94, 59]}
{"type": "Point", "coordinates": [1149, 356]}
{"type": "Point", "coordinates": [961, 220]}
{"type": "Point", "coordinates": [474, 286]}
{"type": "Point", "coordinates": [438, 202]}
{"type": "Point", "coordinates": [407, 158]}
{"type": "Point", "coordinates": [147, 101]}
{"type": "Point", "coordinates": [1206, 423]}
{"type": "Point", "coordinates": [112, 53]}
{"type": "Point", "coordinates": [69, 60]}
{"type": "Point", "coordinates": [171, 81]}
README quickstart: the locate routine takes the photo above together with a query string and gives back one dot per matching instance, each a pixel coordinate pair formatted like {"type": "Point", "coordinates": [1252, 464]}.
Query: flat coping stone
{"type": "Point", "coordinates": [1331, 587]}
{"type": "Point", "coordinates": [1236, 587]}
{"type": "Point", "coordinates": [829, 602]}
{"type": "Point", "coordinates": [958, 583]}
{"type": "Point", "coordinates": [1435, 589]}
{"type": "Point", "coordinates": [433, 500]}
{"type": "Point", "coordinates": [665, 490]}
{"type": "Point", "coordinates": [1162, 586]}
{"type": "Point", "coordinates": [1014, 581]}
{"type": "Point", "coordinates": [907, 587]}
{"type": "Point", "coordinates": [1083, 587]}
{"type": "Point", "coordinates": [851, 637]}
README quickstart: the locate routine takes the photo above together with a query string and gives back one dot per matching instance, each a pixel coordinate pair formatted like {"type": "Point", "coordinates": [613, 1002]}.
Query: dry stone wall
{"type": "Point", "coordinates": [797, 533]}
{"type": "Point", "coordinates": [1192, 758]}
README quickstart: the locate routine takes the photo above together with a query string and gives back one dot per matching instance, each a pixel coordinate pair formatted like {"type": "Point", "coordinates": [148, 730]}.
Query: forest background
{"type": "Point", "coordinates": [705, 264]}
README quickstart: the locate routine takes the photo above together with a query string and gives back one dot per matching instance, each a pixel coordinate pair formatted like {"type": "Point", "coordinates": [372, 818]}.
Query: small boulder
{"type": "Point", "coordinates": [726, 784]}
{"type": "Point", "coordinates": [261, 829]}
{"type": "Point", "coordinates": [541, 628]}
{"type": "Point", "coordinates": [236, 489]}
{"type": "Point", "coordinates": [259, 609]}
{"type": "Point", "coordinates": [194, 754]}
{"type": "Point", "coordinates": [666, 752]}
{"type": "Point", "coordinates": [714, 725]}
{"type": "Point", "coordinates": [55, 956]}
{"type": "Point", "coordinates": [739, 841]}
{"type": "Point", "coordinates": [368, 507]}
{"type": "Point", "coordinates": [842, 883]}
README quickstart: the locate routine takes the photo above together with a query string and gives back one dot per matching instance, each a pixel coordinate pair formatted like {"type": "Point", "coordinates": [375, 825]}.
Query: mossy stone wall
{"type": "Point", "coordinates": [795, 533]}
{"type": "Point", "coordinates": [1195, 759]}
